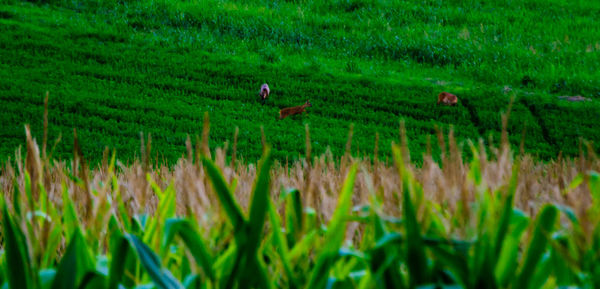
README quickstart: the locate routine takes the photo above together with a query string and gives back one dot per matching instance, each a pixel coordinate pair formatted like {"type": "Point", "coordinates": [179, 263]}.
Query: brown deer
{"type": "Point", "coordinates": [293, 110]}
{"type": "Point", "coordinates": [264, 93]}
{"type": "Point", "coordinates": [447, 98]}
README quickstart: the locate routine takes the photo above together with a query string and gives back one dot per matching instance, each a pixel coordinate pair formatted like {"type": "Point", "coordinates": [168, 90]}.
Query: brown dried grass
{"type": "Point", "coordinates": [319, 179]}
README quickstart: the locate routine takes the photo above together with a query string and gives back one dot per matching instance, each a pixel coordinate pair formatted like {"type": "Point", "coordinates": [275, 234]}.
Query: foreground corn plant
{"type": "Point", "coordinates": [485, 243]}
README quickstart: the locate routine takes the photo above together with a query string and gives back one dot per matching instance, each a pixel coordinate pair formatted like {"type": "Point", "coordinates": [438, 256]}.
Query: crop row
{"type": "Point", "coordinates": [566, 123]}
{"type": "Point", "coordinates": [99, 81]}
{"type": "Point", "coordinates": [105, 126]}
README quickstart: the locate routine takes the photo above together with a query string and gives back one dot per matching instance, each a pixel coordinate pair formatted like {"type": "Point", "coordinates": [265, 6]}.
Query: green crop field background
{"type": "Point", "coordinates": [118, 68]}
{"type": "Point", "coordinates": [198, 193]}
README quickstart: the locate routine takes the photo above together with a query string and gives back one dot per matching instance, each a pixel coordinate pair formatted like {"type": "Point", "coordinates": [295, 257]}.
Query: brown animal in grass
{"type": "Point", "coordinates": [447, 98]}
{"type": "Point", "coordinates": [293, 110]}
{"type": "Point", "coordinates": [264, 92]}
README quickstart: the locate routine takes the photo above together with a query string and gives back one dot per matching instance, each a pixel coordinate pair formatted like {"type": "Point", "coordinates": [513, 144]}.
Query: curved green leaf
{"type": "Point", "coordinates": [193, 241]}
{"type": "Point", "coordinates": [93, 280]}
{"type": "Point", "coordinates": [120, 250]}
{"type": "Point", "coordinates": [415, 251]}
{"type": "Point", "coordinates": [18, 270]}
{"type": "Point", "coordinates": [335, 233]}
{"type": "Point", "coordinates": [225, 196]}
{"type": "Point", "coordinates": [542, 230]}
{"type": "Point", "coordinates": [75, 263]}
{"type": "Point", "coordinates": [161, 276]}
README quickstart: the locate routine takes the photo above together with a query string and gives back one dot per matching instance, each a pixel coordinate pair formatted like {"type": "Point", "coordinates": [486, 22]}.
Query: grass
{"type": "Point", "coordinates": [115, 70]}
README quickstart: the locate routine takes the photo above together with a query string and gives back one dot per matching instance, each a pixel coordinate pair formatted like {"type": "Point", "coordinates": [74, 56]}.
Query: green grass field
{"type": "Point", "coordinates": [118, 68]}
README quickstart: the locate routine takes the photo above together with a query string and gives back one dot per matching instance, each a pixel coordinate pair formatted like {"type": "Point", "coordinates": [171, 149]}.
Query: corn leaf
{"type": "Point", "coordinates": [506, 265]}
{"type": "Point", "coordinates": [281, 245]}
{"type": "Point", "coordinates": [161, 276]}
{"type": "Point", "coordinates": [303, 246]}
{"type": "Point", "coordinates": [258, 210]}
{"type": "Point", "coordinates": [70, 219]}
{"type": "Point", "coordinates": [225, 195]}
{"type": "Point", "coordinates": [335, 233]}
{"type": "Point", "coordinates": [46, 277]}
{"type": "Point", "coordinates": [383, 259]}
{"type": "Point", "coordinates": [75, 263]}
{"type": "Point", "coordinates": [415, 251]}
{"type": "Point", "coordinates": [193, 241]}
{"type": "Point", "coordinates": [93, 280]}
{"type": "Point", "coordinates": [542, 272]}
{"type": "Point", "coordinates": [18, 265]}
{"type": "Point", "coordinates": [51, 249]}
{"type": "Point", "coordinates": [507, 210]}
{"type": "Point", "coordinates": [542, 230]}
{"type": "Point", "coordinates": [294, 218]}
{"type": "Point", "coordinates": [455, 261]}
{"type": "Point", "coordinates": [193, 281]}
{"type": "Point", "coordinates": [119, 252]}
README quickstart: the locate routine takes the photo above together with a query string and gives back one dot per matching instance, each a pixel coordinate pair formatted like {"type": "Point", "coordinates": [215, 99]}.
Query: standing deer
{"type": "Point", "coordinates": [264, 93]}
{"type": "Point", "coordinates": [447, 98]}
{"type": "Point", "coordinates": [293, 110]}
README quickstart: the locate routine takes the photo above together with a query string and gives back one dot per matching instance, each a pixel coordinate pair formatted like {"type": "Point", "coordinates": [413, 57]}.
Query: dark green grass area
{"type": "Point", "coordinates": [118, 68]}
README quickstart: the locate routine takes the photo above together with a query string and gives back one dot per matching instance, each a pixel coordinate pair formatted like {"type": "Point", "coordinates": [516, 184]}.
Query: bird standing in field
{"type": "Point", "coordinates": [264, 92]}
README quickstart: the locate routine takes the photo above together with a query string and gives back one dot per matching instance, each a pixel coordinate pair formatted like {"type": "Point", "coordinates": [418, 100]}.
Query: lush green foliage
{"type": "Point", "coordinates": [116, 68]}
{"type": "Point", "coordinates": [489, 244]}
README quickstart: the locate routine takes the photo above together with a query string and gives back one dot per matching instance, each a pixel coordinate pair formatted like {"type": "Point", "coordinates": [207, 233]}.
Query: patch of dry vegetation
{"type": "Point", "coordinates": [318, 178]}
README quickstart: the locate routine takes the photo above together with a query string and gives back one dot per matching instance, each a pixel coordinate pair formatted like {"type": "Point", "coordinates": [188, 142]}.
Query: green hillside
{"type": "Point", "coordinates": [118, 68]}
